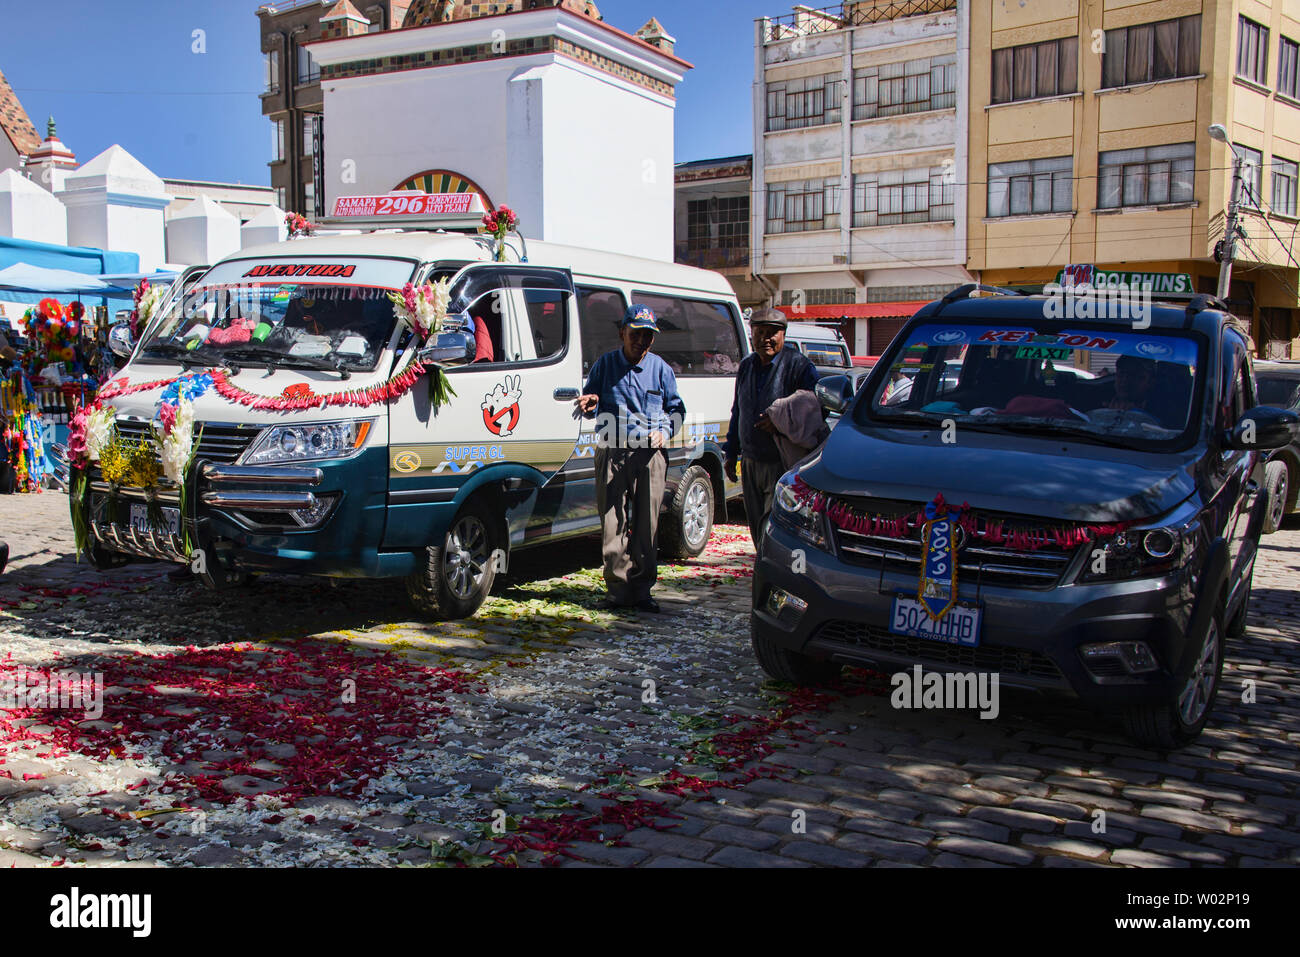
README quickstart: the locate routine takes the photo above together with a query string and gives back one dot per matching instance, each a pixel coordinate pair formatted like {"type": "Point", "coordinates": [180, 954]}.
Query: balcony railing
{"type": "Point", "coordinates": [713, 257]}
{"type": "Point", "coordinates": [805, 21]}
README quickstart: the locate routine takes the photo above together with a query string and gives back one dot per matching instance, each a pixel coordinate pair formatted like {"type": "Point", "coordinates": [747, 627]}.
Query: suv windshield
{"type": "Point", "coordinates": [826, 354]}
{"type": "Point", "coordinates": [1118, 387]}
{"type": "Point", "coordinates": [318, 313]}
{"type": "Point", "coordinates": [1277, 390]}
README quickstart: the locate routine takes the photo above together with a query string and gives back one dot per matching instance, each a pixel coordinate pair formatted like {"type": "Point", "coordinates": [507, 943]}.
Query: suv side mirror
{"type": "Point", "coordinates": [120, 341]}
{"type": "Point", "coordinates": [450, 348]}
{"type": "Point", "coordinates": [1263, 428]}
{"type": "Point", "coordinates": [835, 392]}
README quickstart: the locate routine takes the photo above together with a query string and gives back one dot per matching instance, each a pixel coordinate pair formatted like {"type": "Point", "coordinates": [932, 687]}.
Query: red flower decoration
{"type": "Point", "coordinates": [299, 390]}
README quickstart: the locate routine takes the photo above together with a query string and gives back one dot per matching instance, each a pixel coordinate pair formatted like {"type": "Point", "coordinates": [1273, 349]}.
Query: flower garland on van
{"type": "Point", "coordinates": [1023, 539]}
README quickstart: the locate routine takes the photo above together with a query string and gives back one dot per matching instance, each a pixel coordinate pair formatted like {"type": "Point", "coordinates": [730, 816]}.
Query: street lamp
{"type": "Point", "coordinates": [1218, 132]}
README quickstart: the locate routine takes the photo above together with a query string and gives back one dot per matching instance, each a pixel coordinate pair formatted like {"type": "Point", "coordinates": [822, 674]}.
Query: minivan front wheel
{"type": "Point", "coordinates": [1175, 723]}
{"type": "Point", "coordinates": [457, 576]}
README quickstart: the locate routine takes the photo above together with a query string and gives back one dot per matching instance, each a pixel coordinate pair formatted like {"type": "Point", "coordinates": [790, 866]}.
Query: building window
{"type": "Point", "coordinates": [1152, 176]}
{"type": "Point", "coordinates": [1284, 186]}
{"type": "Point", "coordinates": [279, 197]}
{"type": "Point", "coordinates": [921, 195]}
{"type": "Point", "coordinates": [1031, 186]}
{"type": "Point", "coordinates": [277, 140]}
{"type": "Point", "coordinates": [803, 205]}
{"type": "Point", "coordinates": [1152, 51]}
{"type": "Point", "coordinates": [820, 297]}
{"type": "Point", "coordinates": [909, 293]}
{"type": "Point", "coordinates": [1287, 55]}
{"type": "Point", "coordinates": [697, 225]}
{"type": "Point", "coordinates": [912, 86]}
{"type": "Point", "coordinates": [308, 71]}
{"type": "Point", "coordinates": [733, 222]}
{"type": "Point", "coordinates": [308, 138]}
{"type": "Point", "coordinates": [1252, 51]}
{"type": "Point", "coordinates": [273, 72]}
{"type": "Point", "coordinates": [309, 199]}
{"type": "Point", "coordinates": [1036, 70]}
{"type": "Point", "coordinates": [1252, 162]}
{"type": "Point", "coordinates": [812, 101]}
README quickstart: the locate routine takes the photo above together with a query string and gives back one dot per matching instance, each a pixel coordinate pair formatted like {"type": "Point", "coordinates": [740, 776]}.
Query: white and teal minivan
{"type": "Point", "coordinates": [302, 468]}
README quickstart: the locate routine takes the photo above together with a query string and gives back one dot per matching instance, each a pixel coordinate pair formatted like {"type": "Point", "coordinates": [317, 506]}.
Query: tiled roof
{"type": "Point", "coordinates": [15, 121]}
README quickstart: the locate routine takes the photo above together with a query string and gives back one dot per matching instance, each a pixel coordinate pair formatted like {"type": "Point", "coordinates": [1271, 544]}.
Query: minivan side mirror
{"type": "Point", "coordinates": [835, 392]}
{"type": "Point", "coordinates": [1263, 428]}
{"type": "Point", "coordinates": [120, 340]}
{"type": "Point", "coordinates": [449, 348]}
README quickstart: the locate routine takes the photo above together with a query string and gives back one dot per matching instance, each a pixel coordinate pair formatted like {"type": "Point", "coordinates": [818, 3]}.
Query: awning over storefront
{"type": "Point", "coordinates": [855, 310]}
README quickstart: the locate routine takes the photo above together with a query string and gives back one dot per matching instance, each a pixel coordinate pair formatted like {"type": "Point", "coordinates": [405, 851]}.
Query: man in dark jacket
{"type": "Point", "coordinates": [769, 373]}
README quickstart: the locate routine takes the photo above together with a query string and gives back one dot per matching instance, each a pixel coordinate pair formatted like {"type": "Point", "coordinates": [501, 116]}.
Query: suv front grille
{"type": "Point", "coordinates": [978, 563]}
{"type": "Point", "coordinates": [993, 658]}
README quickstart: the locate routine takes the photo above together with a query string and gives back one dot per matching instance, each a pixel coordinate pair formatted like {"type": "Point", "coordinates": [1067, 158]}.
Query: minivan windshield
{"type": "Point", "coordinates": [1133, 389]}
{"type": "Point", "coordinates": [317, 313]}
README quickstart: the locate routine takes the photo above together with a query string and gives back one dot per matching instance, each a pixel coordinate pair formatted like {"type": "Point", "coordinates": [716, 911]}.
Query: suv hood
{"type": "Point", "coordinates": [1053, 477]}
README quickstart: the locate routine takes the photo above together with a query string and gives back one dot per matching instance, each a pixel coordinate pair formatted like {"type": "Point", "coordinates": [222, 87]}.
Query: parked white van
{"type": "Point", "coordinates": [823, 345]}
{"type": "Point", "coordinates": [314, 458]}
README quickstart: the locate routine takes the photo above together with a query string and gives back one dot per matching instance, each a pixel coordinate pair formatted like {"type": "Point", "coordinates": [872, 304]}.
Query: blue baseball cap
{"type": "Point", "coordinates": [640, 317]}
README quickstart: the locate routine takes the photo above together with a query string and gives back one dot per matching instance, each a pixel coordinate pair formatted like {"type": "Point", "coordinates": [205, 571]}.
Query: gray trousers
{"type": "Point", "coordinates": [758, 482]}
{"type": "Point", "coordinates": [629, 494]}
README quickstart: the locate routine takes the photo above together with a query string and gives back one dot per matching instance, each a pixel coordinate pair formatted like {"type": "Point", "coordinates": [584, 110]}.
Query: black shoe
{"type": "Point", "coordinates": [609, 604]}
{"type": "Point", "coordinates": [647, 604]}
{"type": "Point", "coordinates": [4, 556]}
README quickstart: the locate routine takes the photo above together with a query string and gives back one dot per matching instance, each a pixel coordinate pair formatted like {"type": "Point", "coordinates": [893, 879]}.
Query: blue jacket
{"type": "Point", "coordinates": [641, 398]}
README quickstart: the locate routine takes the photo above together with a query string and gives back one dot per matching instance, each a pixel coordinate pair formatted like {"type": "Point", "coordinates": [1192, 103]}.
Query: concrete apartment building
{"type": "Point", "coordinates": [1089, 145]}
{"type": "Point", "coordinates": [711, 220]}
{"type": "Point", "coordinates": [293, 101]}
{"type": "Point", "coordinates": [860, 132]}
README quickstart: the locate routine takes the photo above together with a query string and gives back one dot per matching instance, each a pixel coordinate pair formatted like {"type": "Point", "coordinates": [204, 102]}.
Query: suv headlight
{"type": "Point", "coordinates": [793, 509]}
{"type": "Point", "coordinates": [1140, 553]}
{"type": "Point", "coordinates": [305, 443]}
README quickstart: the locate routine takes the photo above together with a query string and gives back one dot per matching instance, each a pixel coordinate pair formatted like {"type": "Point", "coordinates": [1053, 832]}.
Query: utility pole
{"type": "Point", "coordinates": [1228, 253]}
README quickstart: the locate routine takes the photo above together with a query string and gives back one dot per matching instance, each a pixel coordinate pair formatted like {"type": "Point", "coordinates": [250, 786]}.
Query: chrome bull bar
{"type": "Point", "coordinates": [252, 500]}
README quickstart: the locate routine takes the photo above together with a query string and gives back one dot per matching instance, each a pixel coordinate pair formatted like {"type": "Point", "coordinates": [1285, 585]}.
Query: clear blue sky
{"type": "Point", "coordinates": [126, 72]}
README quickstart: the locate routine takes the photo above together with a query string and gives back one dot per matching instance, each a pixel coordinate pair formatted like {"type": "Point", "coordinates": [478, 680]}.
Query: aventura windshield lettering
{"type": "Point", "coordinates": [301, 269]}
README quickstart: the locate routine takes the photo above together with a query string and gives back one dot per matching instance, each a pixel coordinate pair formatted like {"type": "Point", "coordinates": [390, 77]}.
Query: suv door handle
{"type": "Point", "coordinates": [565, 395]}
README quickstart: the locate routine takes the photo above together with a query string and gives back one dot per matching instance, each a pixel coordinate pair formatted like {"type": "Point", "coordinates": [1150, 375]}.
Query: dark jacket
{"type": "Point", "coordinates": [789, 372]}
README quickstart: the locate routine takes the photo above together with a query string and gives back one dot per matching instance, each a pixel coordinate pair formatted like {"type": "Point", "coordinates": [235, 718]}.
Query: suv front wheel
{"type": "Point", "coordinates": [785, 665]}
{"type": "Point", "coordinates": [1173, 724]}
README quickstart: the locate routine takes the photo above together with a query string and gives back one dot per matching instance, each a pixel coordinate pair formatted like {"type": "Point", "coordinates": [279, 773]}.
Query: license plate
{"type": "Point", "coordinates": [140, 520]}
{"type": "Point", "coordinates": [960, 626]}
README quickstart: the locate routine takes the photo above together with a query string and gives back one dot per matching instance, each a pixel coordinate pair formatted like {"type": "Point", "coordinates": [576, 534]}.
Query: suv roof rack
{"type": "Point", "coordinates": [1201, 302]}
{"type": "Point", "coordinates": [965, 292]}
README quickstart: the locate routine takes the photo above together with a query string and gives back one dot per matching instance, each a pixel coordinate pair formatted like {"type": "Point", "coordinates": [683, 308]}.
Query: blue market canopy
{"type": "Point", "coordinates": [56, 282]}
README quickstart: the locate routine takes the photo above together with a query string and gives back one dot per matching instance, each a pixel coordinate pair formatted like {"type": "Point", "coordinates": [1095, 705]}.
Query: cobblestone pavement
{"type": "Point", "coordinates": [307, 721]}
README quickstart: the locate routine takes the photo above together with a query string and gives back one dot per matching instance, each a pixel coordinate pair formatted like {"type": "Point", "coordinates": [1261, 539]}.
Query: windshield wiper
{"type": "Point", "coordinates": [198, 356]}
{"type": "Point", "coordinates": [1056, 428]}
{"type": "Point", "coordinates": [275, 358]}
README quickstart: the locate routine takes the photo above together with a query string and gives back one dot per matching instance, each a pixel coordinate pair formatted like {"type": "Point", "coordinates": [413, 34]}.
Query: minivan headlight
{"type": "Point", "coordinates": [305, 443]}
{"type": "Point", "coordinates": [794, 508]}
{"type": "Point", "coordinates": [1140, 553]}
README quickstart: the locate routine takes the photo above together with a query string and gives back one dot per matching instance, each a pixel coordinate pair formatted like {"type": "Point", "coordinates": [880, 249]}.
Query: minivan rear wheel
{"type": "Point", "coordinates": [1177, 722]}
{"type": "Point", "coordinates": [685, 529]}
{"type": "Point", "coordinates": [785, 665]}
{"type": "Point", "coordinates": [457, 575]}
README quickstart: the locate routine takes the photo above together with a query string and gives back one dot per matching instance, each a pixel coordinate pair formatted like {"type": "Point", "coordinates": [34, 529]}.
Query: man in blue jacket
{"type": "Point", "coordinates": [634, 392]}
{"type": "Point", "coordinates": [768, 373]}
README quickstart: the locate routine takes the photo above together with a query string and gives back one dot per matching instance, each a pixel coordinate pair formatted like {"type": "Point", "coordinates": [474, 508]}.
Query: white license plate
{"type": "Point", "coordinates": [140, 520]}
{"type": "Point", "coordinates": [960, 626]}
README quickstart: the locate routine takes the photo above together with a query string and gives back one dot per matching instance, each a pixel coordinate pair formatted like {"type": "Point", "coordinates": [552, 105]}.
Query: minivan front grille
{"type": "Point", "coordinates": [978, 562]}
{"type": "Point", "coordinates": [992, 658]}
{"type": "Point", "coordinates": [222, 444]}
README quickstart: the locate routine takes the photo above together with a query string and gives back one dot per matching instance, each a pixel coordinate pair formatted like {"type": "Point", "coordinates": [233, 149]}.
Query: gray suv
{"type": "Point", "coordinates": [1077, 510]}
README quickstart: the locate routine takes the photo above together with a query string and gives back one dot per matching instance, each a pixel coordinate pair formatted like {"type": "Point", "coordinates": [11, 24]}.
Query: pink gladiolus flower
{"type": "Point", "coordinates": [168, 416]}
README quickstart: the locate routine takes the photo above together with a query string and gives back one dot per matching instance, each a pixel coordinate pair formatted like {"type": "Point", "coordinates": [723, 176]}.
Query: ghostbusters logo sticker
{"type": "Point", "coordinates": [501, 407]}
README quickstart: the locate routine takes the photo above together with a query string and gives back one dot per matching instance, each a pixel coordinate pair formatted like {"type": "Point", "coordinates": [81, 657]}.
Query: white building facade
{"type": "Point", "coordinates": [558, 115]}
{"type": "Point", "coordinates": [860, 131]}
